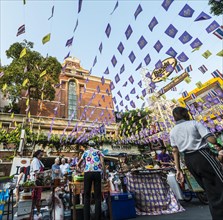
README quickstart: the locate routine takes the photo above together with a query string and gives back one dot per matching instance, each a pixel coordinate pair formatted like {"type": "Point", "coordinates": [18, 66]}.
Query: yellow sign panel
{"type": "Point", "coordinates": [161, 73]}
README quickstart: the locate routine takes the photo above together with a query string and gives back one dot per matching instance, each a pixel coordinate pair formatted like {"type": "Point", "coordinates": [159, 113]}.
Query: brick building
{"type": "Point", "coordinates": [79, 96]}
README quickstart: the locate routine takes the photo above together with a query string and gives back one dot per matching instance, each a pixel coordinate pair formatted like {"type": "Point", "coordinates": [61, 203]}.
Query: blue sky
{"type": "Point", "coordinates": [93, 19]}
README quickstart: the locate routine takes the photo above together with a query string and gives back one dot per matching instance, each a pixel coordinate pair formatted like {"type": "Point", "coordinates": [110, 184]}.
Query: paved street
{"type": "Point", "coordinates": [194, 210]}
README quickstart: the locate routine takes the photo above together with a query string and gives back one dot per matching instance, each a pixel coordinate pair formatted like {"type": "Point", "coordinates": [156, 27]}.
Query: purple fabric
{"type": "Point", "coordinates": [164, 157]}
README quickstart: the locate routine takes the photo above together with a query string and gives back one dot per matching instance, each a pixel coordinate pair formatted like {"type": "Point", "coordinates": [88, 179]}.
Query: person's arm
{"type": "Point", "coordinates": [103, 166]}
{"type": "Point", "coordinates": [212, 139]}
{"type": "Point", "coordinates": [179, 174]}
{"type": "Point", "coordinates": [79, 162]}
{"type": "Point", "coordinates": [19, 179]}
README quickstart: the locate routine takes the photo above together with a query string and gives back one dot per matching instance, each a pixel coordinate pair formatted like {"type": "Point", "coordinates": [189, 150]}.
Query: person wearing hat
{"type": "Point", "coordinates": [94, 166]}
{"type": "Point", "coordinates": [191, 138]}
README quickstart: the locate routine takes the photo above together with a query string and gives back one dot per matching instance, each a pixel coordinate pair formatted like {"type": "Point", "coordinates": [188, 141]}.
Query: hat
{"type": "Point", "coordinates": [91, 143]}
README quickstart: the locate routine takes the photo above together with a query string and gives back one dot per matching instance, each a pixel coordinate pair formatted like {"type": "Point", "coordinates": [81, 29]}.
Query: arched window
{"type": "Point", "coordinates": [72, 100]}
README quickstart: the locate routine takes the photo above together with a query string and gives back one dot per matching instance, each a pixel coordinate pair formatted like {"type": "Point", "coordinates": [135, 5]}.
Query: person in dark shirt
{"type": "Point", "coordinates": [164, 158]}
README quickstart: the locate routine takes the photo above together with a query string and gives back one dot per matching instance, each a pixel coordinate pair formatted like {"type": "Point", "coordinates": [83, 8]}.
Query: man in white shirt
{"type": "Point", "coordinates": [64, 166]}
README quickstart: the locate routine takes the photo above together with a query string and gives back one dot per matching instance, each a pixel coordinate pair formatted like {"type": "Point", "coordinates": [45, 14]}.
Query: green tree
{"type": "Point", "coordinates": [29, 68]}
{"type": "Point", "coordinates": [216, 7]}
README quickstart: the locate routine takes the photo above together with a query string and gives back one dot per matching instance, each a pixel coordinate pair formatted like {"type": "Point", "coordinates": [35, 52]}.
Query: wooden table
{"type": "Point", "coordinates": [77, 188]}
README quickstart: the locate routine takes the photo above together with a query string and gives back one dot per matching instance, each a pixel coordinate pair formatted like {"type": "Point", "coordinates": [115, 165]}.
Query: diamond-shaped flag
{"type": "Point", "coordinates": [186, 11]}
{"type": "Point", "coordinates": [114, 61]}
{"type": "Point", "coordinates": [131, 80]}
{"type": "Point", "coordinates": [128, 32]}
{"type": "Point", "coordinates": [158, 46]}
{"type": "Point", "coordinates": [95, 61]}
{"type": "Point", "coordinates": [117, 78]}
{"type": "Point", "coordinates": [122, 69]}
{"type": "Point", "coordinates": [132, 57]}
{"type": "Point", "coordinates": [100, 47]}
{"type": "Point", "coordinates": [147, 59]}
{"type": "Point", "coordinates": [102, 80]}
{"type": "Point", "coordinates": [169, 68]}
{"type": "Point", "coordinates": [182, 57]}
{"type": "Point", "coordinates": [140, 84]}
{"type": "Point", "coordinates": [185, 37]}
{"type": "Point", "coordinates": [171, 52]}
{"type": "Point", "coordinates": [202, 16]}
{"type": "Point", "coordinates": [119, 93]}
{"type": "Point", "coordinates": [133, 91]}
{"type": "Point", "coordinates": [138, 67]}
{"type": "Point", "coordinates": [212, 26]}
{"type": "Point", "coordinates": [171, 31]}
{"type": "Point", "coordinates": [120, 47]}
{"type": "Point", "coordinates": [127, 98]}
{"type": "Point", "coordinates": [106, 71]}
{"type": "Point", "coordinates": [159, 64]}
{"type": "Point", "coordinates": [152, 24]}
{"type": "Point", "coordinates": [138, 11]}
{"type": "Point", "coordinates": [125, 84]}
{"type": "Point", "coordinates": [142, 42]}
{"type": "Point", "coordinates": [166, 4]}
{"type": "Point", "coordinates": [112, 86]}
{"type": "Point", "coordinates": [148, 75]}
{"type": "Point", "coordinates": [206, 54]}
{"type": "Point", "coordinates": [196, 43]}
{"type": "Point", "coordinates": [144, 92]}
{"type": "Point", "coordinates": [108, 30]}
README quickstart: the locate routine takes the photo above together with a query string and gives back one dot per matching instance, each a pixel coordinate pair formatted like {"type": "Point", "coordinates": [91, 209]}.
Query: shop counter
{"type": "Point", "coordinates": [153, 195]}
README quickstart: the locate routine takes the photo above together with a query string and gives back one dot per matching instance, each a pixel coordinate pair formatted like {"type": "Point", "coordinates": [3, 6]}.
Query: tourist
{"type": "Point", "coordinates": [164, 158]}
{"type": "Point", "coordinates": [56, 172]}
{"type": "Point", "coordinates": [64, 167]}
{"type": "Point", "coordinates": [190, 137]}
{"type": "Point", "coordinates": [35, 168]}
{"type": "Point", "coordinates": [94, 165]}
{"type": "Point", "coordinates": [20, 180]}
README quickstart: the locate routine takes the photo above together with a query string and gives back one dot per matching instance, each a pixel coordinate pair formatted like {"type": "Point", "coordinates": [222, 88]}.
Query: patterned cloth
{"type": "Point", "coordinates": [92, 160]}
{"type": "Point", "coordinates": [153, 195]}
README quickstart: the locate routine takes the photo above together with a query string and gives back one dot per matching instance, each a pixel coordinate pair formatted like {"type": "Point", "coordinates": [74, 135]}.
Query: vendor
{"type": "Point", "coordinates": [164, 158]}
{"type": "Point", "coordinates": [56, 172]}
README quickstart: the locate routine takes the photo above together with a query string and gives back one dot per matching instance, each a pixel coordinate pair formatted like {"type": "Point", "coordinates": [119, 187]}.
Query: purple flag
{"type": "Point", "coordinates": [202, 16]}
{"type": "Point", "coordinates": [138, 11]}
{"type": "Point", "coordinates": [120, 47]}
{"type": "Point", "coordinates": [114, 100]}
{"type": "Point", "coordinates": [140, 84]}
{"type": "Point", "coordinates": [103, 98]}
{"type": "Point", "coordinates": [171, 52]}
{"type": "Point", "coordinates": [21, 30]}
{"type": "Point", "coordinates": [114, 61]}
{"type": "Point", "coordinates": [107, 91]}
{"type": "Point", "coordinates": [127, 98]}
{"type": "Point", "coordinates": [119, 93]}
{"type": "Point", "coordinates": [108, 30]}
{"type": "Point", "coordinates": [122, 69]}
{"type": "Point", "coordinates": [121, 103]}
{"type": "Point", "coordinates": [132, 57]}
{"type": "Point", "coordinates": [106, 71]}
{"type": "Point", "coordinates": [76, 25]}
{"type": "Point", "coordinates": [116, 6]}
{"type": "Point", "coordinates": [152, 24]}
{"type": "Point", "coordinates": [100, 47]}
{"type": "Point", "coordinates": [67, 56]}
{"type": "Point", "coordinates": [144, 92]}
{"type": "Point", "coordinates": [185, 37]}
{"type": "Point", "coordinates": [98, 89]}
{"type": "Point", "coordinates": [132, 104]}
{"type": "Point", "coordinates": [171, 31]}
{"type": "Point", "coordinates": [138, 67]}
{"type": "Point", "coordinates": [131, 80]}
{"type": "Point", "coordinates": [69, 42]}
{"type": "Point", "coordinates": [51, 13]}
{"type": "Point", "coordinates": [79, 5]}
{"type": "Point", "coordinates": [158, 46]}
{"type": "Point", "coordinates": [182, 57]}
{"type": "Point", "coordinates": [102, 80]}
{"type": "Point", "coordinates": [133, 91]}
{"type": "Point", "coordinates": [147, 59]}
{"type": "Point", "coordinates": [212, 26]}
{"type": "Point", "coordinates": [142, 42]}
{"type": "Point", "coordinates": [148, 75]}
{"type": "Point", "coordinates": [186, 11]}
{"type": "Point", "coordinates": [128, 32]}
{"type": "Point", "coordinates": [152, 85]}
{"type": "Point", "coordinates": [196, 43]}
{"type": "Point", "coordinates": [169, 68]}
{"type": "Point", "coordinates": [159, 64]}
{"type": "Point", "coordinates": [112, 86]}
{"type": "Point", "coordinates": [125, 84]}
{"type": "Point", "coordinates": [117, 78]}
{"type": "Point", "coordinates": [166, 4]}
{"type": "Point", "coordinates": [95, 61]}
